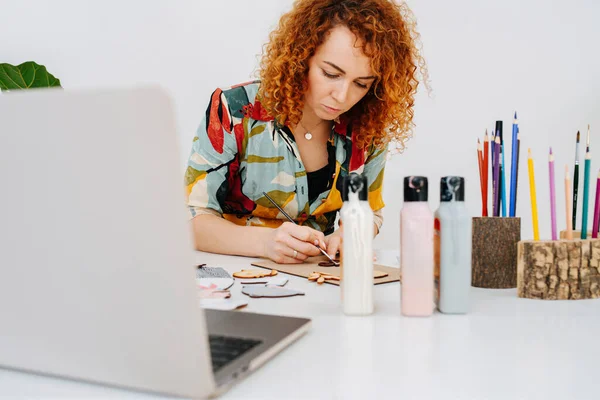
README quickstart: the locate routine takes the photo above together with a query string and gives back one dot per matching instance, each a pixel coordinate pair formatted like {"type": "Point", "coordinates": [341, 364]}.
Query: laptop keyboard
{"type": "Point", "coordinates": [224, 349]}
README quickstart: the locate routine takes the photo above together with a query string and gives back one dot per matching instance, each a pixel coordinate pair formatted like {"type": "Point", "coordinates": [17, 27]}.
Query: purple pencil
{"type": "Point", "coordinates": [496, 175]}
{"type": "Point", "coordinates": [552, 194]}
{"type": "Point", "coordinates": [596, 223]}
{"type": "Point", "coordinates": [493, 174]}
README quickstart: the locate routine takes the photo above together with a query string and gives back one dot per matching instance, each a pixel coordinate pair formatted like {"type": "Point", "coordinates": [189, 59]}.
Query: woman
{"type": "Point", "coordinates": [338, 80]}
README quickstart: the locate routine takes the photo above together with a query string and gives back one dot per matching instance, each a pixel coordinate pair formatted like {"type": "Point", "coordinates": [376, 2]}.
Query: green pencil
{"type": "Point", "coordinates": [586, 187]}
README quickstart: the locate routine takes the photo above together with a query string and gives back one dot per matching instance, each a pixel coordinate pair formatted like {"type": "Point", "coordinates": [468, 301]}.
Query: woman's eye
{"type": "Point", "coordinates": [334, 76]}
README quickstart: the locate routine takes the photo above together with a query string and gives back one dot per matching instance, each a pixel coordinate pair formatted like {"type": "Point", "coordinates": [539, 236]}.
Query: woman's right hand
{"type": "Point", "coordinates": [292, 244]}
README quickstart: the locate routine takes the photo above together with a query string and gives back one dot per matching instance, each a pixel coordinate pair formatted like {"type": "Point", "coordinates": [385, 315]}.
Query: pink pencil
{"type": "Point", "coordinates": [552, 194]}
{"type": "Point", "coordinates": [596, 209]}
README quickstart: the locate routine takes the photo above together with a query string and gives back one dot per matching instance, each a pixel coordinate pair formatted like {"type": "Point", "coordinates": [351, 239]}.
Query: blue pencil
{"type": "Point", "coordinates": [513, 169]}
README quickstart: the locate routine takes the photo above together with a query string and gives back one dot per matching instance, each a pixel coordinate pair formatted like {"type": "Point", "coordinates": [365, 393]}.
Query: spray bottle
{"type": "Point", "coordinates": [416, 249]}
{"type": "Point", "coordinates": [452, 248]}
{"type": "Point", "coordinates": [357, 255]}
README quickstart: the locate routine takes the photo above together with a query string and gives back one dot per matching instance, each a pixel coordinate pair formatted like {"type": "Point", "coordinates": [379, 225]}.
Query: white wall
{"type": "Point", "coordinates": [486, 60]}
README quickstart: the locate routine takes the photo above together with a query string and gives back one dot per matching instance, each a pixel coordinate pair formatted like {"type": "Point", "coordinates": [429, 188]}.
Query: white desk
{"type": "Point", "coordinates": [506, 348]}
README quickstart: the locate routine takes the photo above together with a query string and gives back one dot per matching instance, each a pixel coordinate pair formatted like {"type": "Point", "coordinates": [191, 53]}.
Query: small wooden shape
{"type": "Point", "coordinates": [322, 277]}
{"type": "Point", "coordinates": [494, 252]}
{"type": "Point", "coordinates": [328, 264]}
{"type": "Point", "coordinates": [559, 269]}
{"type": "Point", "coordinates": [254, 273]}
{"type": "Point", "coordinates": [314, 276]}
{"type": "Point", "coordinates": [331, 277]}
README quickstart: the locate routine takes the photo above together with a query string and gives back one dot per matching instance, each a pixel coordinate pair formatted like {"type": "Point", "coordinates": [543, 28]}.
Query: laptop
{"type": "Point", "coordinates": [98, 277]}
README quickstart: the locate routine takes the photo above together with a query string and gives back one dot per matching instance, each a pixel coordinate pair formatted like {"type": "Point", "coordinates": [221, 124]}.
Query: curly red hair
{"type": "Point", "coordinates": [389, 37]}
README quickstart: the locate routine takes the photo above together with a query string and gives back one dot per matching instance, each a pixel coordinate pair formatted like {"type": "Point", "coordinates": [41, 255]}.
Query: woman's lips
{"type": "Point", "coordinates": [331, 109]}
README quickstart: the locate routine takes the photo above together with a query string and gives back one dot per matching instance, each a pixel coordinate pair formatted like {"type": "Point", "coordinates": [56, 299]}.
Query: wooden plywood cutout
{"type": "Point", "coordinates": [312, 264]}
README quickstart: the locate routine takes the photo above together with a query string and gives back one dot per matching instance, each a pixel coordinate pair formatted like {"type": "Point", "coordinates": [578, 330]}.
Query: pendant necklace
{"type": "Point", "coordinates": [309, 135]}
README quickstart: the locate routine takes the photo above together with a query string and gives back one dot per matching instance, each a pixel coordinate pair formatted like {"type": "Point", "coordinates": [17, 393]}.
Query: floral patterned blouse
{"type": "Point", "coordinates": [239, 152]}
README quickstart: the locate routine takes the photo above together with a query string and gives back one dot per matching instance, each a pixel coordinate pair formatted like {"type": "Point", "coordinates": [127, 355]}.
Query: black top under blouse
{"type": "Point", "coordinates": [318, 182]}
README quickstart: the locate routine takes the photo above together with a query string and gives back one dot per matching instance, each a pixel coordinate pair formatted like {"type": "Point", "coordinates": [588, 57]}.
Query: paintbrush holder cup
{"type": "Point", "coordinates": [559, 269]}
{"type": "Point", "coordinates": [494, 252]}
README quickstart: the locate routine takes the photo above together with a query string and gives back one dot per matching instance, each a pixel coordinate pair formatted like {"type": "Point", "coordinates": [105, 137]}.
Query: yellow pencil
{"type": "Point", "coordinates": [534, 213]}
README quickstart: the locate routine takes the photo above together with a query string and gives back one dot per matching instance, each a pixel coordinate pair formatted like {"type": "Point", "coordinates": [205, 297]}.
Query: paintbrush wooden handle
{"type": "Point", "coordinates": [295, 223]}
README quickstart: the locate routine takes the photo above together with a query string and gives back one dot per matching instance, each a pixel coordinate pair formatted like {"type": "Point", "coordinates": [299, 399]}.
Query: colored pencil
{"type": "Point", "coordinates": [517, 168]}
{"type": "Point", "coordinates": [493, 166]}
{"type": "Point", "coordinates": [568, 198]}
{"type": "Point", "coordinates": [481, 180]}
{"type": "Point", "coordinates": [496, 176]}
{"type": "Point", "coordinates": [486, 163]}
{"type": "Point", "coordinates": [576, 182]}
{"type": "Point", "coordinates": [534, 213]}
{"type": "Point", "coordinates": [513, 168]}
{"type": "Point", "coordinates": [501, 172]}
{"type": "Point", "coordinates": [596, 224]}
{"type": "Point", "coordinates": [552, 195]}
{"type": "Point", "coordinates": [503, 181]}
{"type": "Point", "coordinates": [586, 187]}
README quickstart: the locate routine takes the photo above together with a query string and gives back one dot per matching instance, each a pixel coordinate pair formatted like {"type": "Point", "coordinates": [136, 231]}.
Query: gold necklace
{"type": "Point", "coordinates": [309, 135]}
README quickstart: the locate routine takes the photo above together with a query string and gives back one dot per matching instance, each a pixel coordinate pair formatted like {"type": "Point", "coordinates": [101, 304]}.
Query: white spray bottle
{"type": "Point", "coordinates": [357, 255]}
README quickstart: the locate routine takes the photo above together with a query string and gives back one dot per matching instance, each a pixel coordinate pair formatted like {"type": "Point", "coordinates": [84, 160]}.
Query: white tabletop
{"type": "Point", "coordinates": [505, 348]}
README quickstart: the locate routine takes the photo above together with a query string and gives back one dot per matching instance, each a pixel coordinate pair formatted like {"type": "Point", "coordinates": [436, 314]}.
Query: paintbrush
{"type": "Point", "coordinates": [337, 264]}
{"type": "Point", "coordinates": [576, 182]}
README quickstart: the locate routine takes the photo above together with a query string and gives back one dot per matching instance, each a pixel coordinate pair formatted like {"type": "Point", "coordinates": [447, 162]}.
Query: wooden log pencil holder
{"type": "Point", "coordinates": [494, 252]}
{"type": "Point", "coordinates": [576, 234]}
{"type": "Point", "coordinates": [559, 269]}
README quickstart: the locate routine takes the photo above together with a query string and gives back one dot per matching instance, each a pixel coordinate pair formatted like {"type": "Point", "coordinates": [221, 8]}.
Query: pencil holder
{"type": "Point", "coordinates": [576, 234]}
{"type": "Point", "coordinates": [494, 252]}
{"type": "Point", "coordinates": [559, 269]}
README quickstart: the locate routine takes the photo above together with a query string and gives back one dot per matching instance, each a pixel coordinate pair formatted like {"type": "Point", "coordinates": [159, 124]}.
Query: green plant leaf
{"type": "Point", "coordinates": [25, 76]}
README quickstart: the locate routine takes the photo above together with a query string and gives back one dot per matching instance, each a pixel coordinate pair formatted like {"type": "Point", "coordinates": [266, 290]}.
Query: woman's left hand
{"type": "Point", "coordinates": [333, 243]}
